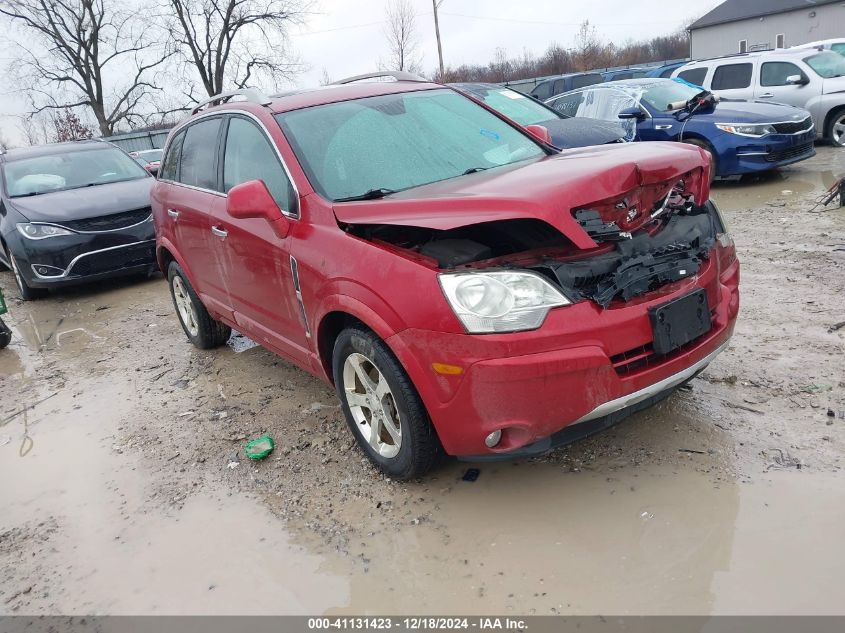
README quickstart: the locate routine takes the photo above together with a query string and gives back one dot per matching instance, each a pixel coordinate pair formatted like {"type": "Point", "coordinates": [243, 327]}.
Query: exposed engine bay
{"type": "Point", "coordinates": [637, 249]}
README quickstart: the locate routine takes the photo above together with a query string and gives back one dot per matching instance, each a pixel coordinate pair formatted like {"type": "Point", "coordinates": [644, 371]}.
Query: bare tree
{"type": "Point", "coordinates": [84, 53]}
{"type": "Point", "coordinates": [235, 42]}
{"type": "Point", "coordinates": [34, 130]}
{"type": "Point", "coordinates": [4, 143]}
{"type": "Point", "coordinates": [400, 31]}
{"type": "Point", "coordinates": [326, 78]}
{"type": "Point", "coordinates": [589, 51]}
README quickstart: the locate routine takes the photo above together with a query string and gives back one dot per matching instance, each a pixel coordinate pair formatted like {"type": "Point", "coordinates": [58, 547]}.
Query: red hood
{"type": "Point", "coordinates": [546, 189]}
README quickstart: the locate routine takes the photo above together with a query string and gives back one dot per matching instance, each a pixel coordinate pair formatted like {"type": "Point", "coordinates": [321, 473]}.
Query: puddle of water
{"type": "Point", "coordinates": [531, 539]}
{"type": "Point", "coordinates": [115, 550]}
{"type": "Point", "coordinates": [789, 184]}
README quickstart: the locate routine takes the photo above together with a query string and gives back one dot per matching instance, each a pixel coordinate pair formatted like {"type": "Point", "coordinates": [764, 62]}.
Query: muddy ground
{"type": "Point", "coordinates": [125, 490]}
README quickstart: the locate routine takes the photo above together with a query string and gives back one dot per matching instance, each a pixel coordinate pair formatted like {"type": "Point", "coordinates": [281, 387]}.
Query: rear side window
{"type": "Point", "coordinates": [250, 156]}
{"type": "Point", "coordinates": [694, 75]}
{"type": "Point", "coordinates": [199, 151]}
{"type": "Point", "coordinates": [668, 73]}
{"type": "Point", "coordinates": [731, 77]}
{"type": "Point", "coordinates": [569, 104]}
{"type": "Point", "coordinates": [560, 86]}
{"type": "Point", "coordinates": [775, 73]}
{"type": "Point", "coordinates": [543, 91]}
{"type": "Point", "coordinates": [582, 81]}
{"type": "Point", "coordinates": [171, 161]}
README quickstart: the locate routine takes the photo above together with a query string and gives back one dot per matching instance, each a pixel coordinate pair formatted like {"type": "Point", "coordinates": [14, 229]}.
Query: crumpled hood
{"type": "Point", "coordinates": [545, 189]}
{"type": "Point", "coordinates": [85, 202]}
{"type": "Point", "coordinates": [581, 132]}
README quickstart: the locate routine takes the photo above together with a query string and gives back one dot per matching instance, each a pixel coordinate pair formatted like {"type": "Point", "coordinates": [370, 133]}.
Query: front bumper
{"type": "Point", "coordinates": [769, 152]}
{"type": "Point", "coordinates": [84, 257]}
{"type": "Point", "coordinates": [585, 367]}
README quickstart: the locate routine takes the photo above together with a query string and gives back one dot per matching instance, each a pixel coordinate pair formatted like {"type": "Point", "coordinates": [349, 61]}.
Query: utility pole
{"type": "Point", "coordinates": [436, 4]}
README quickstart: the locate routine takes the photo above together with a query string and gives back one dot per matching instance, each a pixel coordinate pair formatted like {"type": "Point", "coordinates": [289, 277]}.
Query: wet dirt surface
{"type": "Point", "coordinates": [126, 491]}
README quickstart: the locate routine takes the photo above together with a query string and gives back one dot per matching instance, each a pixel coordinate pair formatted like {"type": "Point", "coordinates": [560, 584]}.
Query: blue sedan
{"type": "Point", "coordinates": [741, 137]}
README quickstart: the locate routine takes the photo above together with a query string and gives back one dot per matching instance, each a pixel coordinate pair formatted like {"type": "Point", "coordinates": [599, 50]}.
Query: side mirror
{"type": "Point", "coordinates": [540, 133]}
{"type": "Point", "coordinates": [252, 199]}
{"type": "Point", "coordinates": [797, 80]}
{"type": "Point", "coordinates": [631, 113]}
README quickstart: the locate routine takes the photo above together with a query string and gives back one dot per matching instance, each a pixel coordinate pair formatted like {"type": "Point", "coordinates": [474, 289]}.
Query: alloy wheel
{"type": "Point", "coordinates": [838, 130]}
{"type": "Point", "coordinates": [185, 306]}
{"type": "Point", "coordinates": [372, 405]}
{"type": "Point", "coordinates": [16, 271]}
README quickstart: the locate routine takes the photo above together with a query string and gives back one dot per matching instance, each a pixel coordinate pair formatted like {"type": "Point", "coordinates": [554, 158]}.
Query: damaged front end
{"type": "Point", "coordinates": [649, 237]}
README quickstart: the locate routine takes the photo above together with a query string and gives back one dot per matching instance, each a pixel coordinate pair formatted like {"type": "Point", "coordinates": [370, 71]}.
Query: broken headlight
{"type": "Point", "coordinates": [500, 301]}
{"type": "Point", "coordinates": [747, 129]}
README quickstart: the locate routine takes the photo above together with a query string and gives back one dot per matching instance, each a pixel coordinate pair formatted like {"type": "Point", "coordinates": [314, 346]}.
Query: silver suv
{"type": "Point", "coordinates": [809, 79]}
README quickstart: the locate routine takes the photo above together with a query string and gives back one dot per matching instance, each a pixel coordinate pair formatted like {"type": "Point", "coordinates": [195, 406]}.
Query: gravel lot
{"type": "Point", "coordinates": [125, 489]}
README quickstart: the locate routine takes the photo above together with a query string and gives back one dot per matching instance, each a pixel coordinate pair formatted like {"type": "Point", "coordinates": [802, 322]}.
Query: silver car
{"type": "Point", "coordinates": [807, 78]}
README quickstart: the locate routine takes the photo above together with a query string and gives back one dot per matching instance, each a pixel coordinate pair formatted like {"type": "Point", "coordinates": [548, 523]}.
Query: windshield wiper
{"type": "Point", "coordinates": [474, 170]}
{"type": "Point", "coordinates": [372, 194]}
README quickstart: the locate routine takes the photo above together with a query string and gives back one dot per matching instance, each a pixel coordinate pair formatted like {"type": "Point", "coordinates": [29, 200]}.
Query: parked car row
{"type": "Point", "coordinates": [739, 137]}
{"type": "Point", "coordinates": [465, 285]}
{"type": "Point", "coordinates": [806, 78]}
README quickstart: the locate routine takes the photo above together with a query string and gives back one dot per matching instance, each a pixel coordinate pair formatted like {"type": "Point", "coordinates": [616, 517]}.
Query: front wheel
{"type": "Point", "coordinates": [836, 129]}
{"type": "Point", "coordinates": [27, 292]}
{"type": "Point", "coordinates": [382, 407]}
{"type": "Point", "coordinates": [203, 331]}
{"type": "Point", "coordinates": [5, 334]}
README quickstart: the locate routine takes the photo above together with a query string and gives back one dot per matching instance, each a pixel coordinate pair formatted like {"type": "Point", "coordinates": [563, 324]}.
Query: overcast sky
{"type": "Point", "coordinates": [346, 37]}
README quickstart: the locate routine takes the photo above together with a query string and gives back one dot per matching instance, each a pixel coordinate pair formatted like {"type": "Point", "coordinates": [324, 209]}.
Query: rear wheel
{"type": "Point", "coordinates": [203, 331]}
{"type": "Point", "coordinates": [27, 292]}
{"type": "Point", "coordinates": [836, 128]}
{"type": "Point", "coordinates": [382, 407]}
{"type": "Point", "coordinates": [703, 145]}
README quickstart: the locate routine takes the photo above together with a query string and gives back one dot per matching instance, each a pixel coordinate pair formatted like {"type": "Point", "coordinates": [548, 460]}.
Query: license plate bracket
{"type": "Point", "coordinates": [680, 321]}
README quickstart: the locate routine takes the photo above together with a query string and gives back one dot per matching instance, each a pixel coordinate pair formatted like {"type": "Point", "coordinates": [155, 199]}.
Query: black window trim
{"type": "Point", "coordinates": [261, 125]}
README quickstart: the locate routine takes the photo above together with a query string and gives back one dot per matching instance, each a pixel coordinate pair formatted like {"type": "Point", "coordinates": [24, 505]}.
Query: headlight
{"type": "Point", "coordinates": [41, 231]}
{"type": "Point", "coordinates": [753, 129]}
{"type": "Point", "coordinates": [500, 301]}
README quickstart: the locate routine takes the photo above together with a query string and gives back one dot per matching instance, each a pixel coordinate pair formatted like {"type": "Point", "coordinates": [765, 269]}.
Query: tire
{"type": "Point", "coordinates": [706, 147]}
{"type": "Point", "coordinates": [26, 292]}
{"type": "Point", "coordinates": [5, 334]}
{"type": "Point", "coordinates": [203, 331]}
{"type": "Point", "coordinates": [404, 445]}
{"type": "Point", "coordinates": [836, 136]}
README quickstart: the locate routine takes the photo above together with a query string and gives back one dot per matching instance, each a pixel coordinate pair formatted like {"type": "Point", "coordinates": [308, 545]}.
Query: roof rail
{"type": "Point", "coordinates": [398, 75]}
{"type": "Point", "coordinates": [249, 94]}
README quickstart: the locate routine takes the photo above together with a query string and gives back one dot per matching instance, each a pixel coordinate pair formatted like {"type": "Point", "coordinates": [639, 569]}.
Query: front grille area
{"type": "Point", "coordinates": [792, 152]}
{"type": "Point", "coordinates": [112, 222]}
{"type": "Point", "coordinates": [790, 127]}
{"type": "Point", "coordinates": [644, 357]}
{"type": "Point", "coordinates": [135, 255]}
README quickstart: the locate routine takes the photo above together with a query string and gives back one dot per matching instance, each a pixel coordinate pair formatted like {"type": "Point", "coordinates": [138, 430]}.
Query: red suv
{"type": "Point", "coordinates": [465, 286]}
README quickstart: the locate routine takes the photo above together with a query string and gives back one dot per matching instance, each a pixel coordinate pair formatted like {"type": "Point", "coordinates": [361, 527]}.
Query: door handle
{"type": "Point", "coordinates": [766, 95]}
{"type": "Point", "coordinates": [222, 233]}
{"type": "Point", "coordinates": [173, 213]}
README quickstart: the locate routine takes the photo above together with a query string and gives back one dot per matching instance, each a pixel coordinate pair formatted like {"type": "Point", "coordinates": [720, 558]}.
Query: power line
{"type": "Point", "coordinates": [517, 20]}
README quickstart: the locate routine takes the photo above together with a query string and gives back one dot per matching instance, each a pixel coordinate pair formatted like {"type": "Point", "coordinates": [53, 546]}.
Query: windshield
{"type": "Point", "coordinates": [827, 64]}
{"type": "Point", "coordinates": [514, 105]}
{"type": "Point", "coordinates": [660, 95]}
{"type": "Point", "coordinates": [69, 170]}
{"type": "Point", "coordinates": [394, 142]}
